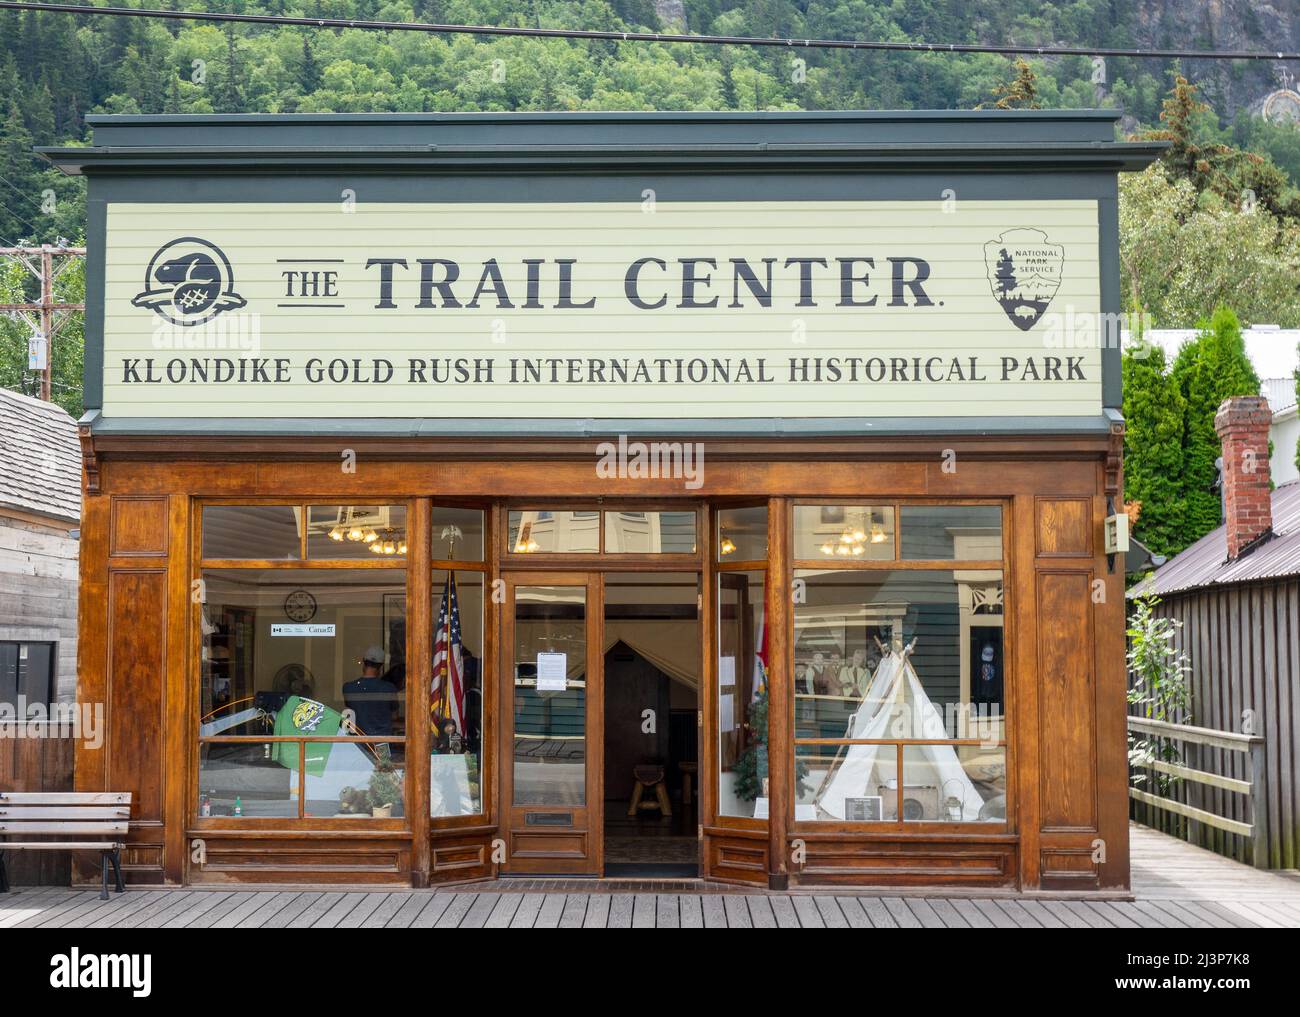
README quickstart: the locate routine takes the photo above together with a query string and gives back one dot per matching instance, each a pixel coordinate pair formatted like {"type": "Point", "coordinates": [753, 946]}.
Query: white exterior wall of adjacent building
{"type": "Point", "coordinates": [1284, 434]}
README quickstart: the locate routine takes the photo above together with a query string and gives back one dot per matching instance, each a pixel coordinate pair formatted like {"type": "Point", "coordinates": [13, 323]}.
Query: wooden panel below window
{"type": "Point", "coordinates": [1067, 698]}
{"type": "Point", "coordinates": [559, 846]}
{"type": "Point", "coordinates": [1068, 869]}
{"type": "Point", "coordinates": [737, 859]}
{"type": "Point", "coordinates": [454, 859]}
{"type": "Point", "coordinates": [921, 863]}
{"type": "Point", "coordinates": [138, 526]}
{"type": "Point", "coordinates": [310, 860]}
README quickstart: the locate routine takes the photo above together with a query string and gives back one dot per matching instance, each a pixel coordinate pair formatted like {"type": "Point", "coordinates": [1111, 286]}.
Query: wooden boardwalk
{"type": "Point", "coordinates": [1174, 886]}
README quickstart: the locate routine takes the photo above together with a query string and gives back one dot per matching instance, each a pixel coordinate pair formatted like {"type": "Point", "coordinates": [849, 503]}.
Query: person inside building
{"type": "Point", "coordinates": [372, 699]}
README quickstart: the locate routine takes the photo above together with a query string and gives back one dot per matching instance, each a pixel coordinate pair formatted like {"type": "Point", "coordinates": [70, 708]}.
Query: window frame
{"type": "Point", "coordinates": [199, 565]}
{"type": "Point", "coordinates": [899, 826]}
{"type": "Point", "coordinates": [486, 567]}
{"type": "Point", "coordinates": [716, 566]}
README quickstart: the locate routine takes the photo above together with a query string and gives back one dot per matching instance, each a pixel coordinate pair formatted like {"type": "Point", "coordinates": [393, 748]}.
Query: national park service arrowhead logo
{"type": "Point", "coordinates": [189, 281]}
{"type": "Point", "coordinates": [1025, 272]}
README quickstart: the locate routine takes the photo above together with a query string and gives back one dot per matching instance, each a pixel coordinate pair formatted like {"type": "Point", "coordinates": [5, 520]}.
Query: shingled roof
{"type": "Point", "coordinates": [1206, 562]}
{"type": "Point", "coordinates": [40, 458]}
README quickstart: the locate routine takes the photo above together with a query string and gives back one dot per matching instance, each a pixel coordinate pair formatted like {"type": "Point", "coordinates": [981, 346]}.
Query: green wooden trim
{"type": "Point", "coordinates": [503, 427]}
{"type": "Point", "coordinates": [760, 157]}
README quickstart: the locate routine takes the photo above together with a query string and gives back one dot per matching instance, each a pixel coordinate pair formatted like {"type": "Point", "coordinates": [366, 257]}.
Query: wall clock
{"type": "Point", "coordinates": [300, 606]}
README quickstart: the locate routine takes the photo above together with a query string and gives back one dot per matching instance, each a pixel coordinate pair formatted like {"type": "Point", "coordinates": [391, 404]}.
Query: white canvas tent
{"type": "Point", "coordinates": [896, 707]}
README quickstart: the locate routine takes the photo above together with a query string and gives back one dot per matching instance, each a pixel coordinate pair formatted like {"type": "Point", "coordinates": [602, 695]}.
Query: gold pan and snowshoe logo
{"type": "Point", "coordinates": [1024, 271]}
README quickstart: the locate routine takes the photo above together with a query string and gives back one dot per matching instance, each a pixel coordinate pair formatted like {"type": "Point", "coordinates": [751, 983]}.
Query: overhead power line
{"type": "Point", "coordinates": [698, 40]}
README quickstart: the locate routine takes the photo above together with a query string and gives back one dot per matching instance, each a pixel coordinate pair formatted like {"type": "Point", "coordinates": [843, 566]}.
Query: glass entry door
{"type": "Point", "coordinates": [552, 694]}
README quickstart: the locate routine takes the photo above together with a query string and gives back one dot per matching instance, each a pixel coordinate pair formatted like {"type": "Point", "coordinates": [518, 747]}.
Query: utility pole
{"type": "Point", "coordinates": [46, 317]}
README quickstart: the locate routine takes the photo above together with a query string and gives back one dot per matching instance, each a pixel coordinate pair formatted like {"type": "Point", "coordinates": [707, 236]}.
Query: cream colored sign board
{"type": "Point", "coordinates": [599, 310]}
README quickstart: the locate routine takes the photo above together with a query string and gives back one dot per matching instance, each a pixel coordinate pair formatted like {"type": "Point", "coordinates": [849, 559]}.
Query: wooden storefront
{"type": "Point", "coordinates": [224, 522]}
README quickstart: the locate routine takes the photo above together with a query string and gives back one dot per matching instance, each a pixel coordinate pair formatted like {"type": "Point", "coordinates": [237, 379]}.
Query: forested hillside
{"type": "Point", "coordinates": [54, 69]}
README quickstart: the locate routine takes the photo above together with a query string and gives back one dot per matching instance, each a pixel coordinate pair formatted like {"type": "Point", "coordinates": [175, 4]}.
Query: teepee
{"type": "Point", "coordinates": [896, 707]}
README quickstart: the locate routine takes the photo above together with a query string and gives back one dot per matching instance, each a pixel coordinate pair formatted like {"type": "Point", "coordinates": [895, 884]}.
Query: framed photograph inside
{"type": "Point", "coordinates": [868, 809]}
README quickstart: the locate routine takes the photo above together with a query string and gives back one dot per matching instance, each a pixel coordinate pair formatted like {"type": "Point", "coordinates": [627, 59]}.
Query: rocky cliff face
{"type": "Point", "coordinates": [1270, 25]}
{"type": "Point", "coordinates": [672, 14]}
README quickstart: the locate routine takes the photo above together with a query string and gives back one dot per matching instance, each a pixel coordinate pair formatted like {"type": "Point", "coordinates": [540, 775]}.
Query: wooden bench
{"type": "Point", "coordinates": [91, 821]}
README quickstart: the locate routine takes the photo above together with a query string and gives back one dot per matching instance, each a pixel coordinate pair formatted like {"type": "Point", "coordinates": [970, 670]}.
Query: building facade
{"type": "Point", "coordinates": [474, 495]}
{"type": "Point", "coordinates": [40, 507]}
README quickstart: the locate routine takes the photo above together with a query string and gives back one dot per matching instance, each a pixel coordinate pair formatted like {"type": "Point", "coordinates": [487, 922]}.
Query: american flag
{"type": "Point", "coordinates": [448, 694]}
{"type": "Point", "coordinates": [761, 651]}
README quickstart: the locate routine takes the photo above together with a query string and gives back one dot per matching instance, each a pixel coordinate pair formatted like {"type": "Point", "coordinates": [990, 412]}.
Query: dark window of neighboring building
{"type": "Point", "coordinates": [26, 673]}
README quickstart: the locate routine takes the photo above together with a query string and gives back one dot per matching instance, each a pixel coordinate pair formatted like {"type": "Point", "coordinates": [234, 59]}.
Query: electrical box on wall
{"type": "Point", "coordinates": [1117, 533]}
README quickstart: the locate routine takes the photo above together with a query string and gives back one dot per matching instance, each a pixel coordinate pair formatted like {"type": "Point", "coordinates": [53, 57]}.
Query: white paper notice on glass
{"type": "Point", "coordinates": [726, 671]}
{"type": "Point", "coordinates": [727, 713]}
{"type": "Point", "coordinates": [760, 808]}
{"type": "Point", "coordinates": [552, 672]}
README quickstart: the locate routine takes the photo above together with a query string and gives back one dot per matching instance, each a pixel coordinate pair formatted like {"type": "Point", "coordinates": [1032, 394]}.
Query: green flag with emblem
{"type": "Point", "coordinates": [302, 717]}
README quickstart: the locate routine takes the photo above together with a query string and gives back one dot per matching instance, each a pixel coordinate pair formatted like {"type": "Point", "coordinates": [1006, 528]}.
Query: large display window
{"type": "Point", "coordinates": [302, 662]}
{"type": "Point", "coordinates": [899, 683]}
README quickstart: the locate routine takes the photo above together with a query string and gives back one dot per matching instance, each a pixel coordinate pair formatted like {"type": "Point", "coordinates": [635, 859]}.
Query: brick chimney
{"type": "Point", "coordinates": [1242, 423]}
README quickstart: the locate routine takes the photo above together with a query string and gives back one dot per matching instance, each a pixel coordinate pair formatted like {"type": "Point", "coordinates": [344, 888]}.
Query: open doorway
{"type": "Point", "coordinates": [652, 664]}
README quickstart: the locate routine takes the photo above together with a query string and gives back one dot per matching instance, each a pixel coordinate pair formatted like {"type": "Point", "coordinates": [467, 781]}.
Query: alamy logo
{"type": "Point", "coordinates": [189, 281]}
{"type": "Point", "coordinates": [75, 970]}
{"type": "Point", "coordinates": [1024, 271]}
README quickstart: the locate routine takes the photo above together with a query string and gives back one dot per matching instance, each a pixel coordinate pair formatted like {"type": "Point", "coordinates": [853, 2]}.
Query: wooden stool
{"type": "Point", "coordinates": [688, 771]}
{"type": "Point", "coordinates": [649, 777]}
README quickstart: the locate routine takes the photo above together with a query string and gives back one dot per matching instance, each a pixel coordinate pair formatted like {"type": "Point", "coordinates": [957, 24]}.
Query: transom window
{"type": "Point", "coordinates": [594, 531]}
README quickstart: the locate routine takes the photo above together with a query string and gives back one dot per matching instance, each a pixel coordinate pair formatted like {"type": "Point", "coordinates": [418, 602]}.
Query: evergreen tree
{"type": "Point", "coordinates": [230, 93]}
{"type": "Point", "coordinates": [1154, 409]}
{"type": "Point", "coordinates": [309, 75]}
{"type": "Point", "coordinates": [729, 98]}
{"type": "Point", "coordinates": [1020, 93]}
{"type": "Point", "coordinates": [1208, 369]}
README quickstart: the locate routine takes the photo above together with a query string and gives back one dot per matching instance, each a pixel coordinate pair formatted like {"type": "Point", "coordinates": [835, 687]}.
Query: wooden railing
{"type": "Point", "coordinates": [1253, 786]}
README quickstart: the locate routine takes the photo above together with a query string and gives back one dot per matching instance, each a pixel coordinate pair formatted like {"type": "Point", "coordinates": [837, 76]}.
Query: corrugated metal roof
{"type": "Point", "coordinates": [1206, 563]}
{"type": "Point", "coordinates": [1280, 393]}
{"type": "Point", "coordinates": [40, 458]}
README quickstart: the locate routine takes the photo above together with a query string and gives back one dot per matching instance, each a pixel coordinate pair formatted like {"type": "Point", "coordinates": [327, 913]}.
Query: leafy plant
{"type": "Point", "coordinates": [385, 787]}
{"type": "Point", "coordinates": [1158, 673]}
{"type": "Point", "coordinates": [751, 767]}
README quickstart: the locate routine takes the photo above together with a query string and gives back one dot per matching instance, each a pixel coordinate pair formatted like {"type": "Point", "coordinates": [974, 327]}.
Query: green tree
{"type": "Point", "coordinates": [309, 75]}
{"type": "Point", "coordinates": [1208, 369]}
{"type": "Point", "coordinates": [1021, 92]}
{"type": "Point", "coordinates": [1154, 410]}
{"type": "Point", "coordinates": [1184, 253]}
{"type": "Point", "coordinates": [1198, 154]}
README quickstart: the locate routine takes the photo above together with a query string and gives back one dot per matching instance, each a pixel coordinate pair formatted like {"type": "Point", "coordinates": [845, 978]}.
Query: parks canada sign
{"type": "Point", "coordinates": [601, 310]}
